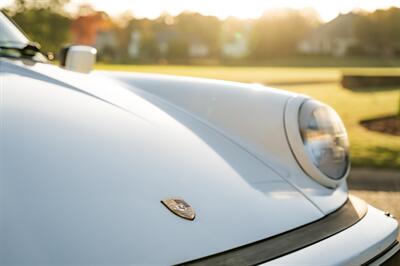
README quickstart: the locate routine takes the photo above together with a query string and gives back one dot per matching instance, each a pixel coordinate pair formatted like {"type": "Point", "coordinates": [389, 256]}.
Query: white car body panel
{"type": "Point", "coordinates": [250, 115]}
{"type": "Point", "coordinates": [96, 167]}
{"type": "Point", "coordinates": [86, 159]}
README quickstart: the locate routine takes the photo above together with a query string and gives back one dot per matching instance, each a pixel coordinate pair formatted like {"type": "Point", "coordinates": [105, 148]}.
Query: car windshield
{"type": "Point", "coordinates": [10, 34]}
{"type": "Point", "coordinates": [14, 44]}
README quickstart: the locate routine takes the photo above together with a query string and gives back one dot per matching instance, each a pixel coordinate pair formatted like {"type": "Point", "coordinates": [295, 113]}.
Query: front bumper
{"type": "Point", "coordinates": [355, 234]}
{"type": "Point", "coordinates": [371, 241]}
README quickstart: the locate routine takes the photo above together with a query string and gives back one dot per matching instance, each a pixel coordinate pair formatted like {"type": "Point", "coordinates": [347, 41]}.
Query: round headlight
{"type": "Point", "coordinates": [325, 138]}
{"type": "Point", "coordinates": [318, 140]}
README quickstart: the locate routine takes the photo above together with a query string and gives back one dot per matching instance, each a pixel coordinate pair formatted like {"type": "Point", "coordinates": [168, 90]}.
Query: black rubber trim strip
{"type": "Point", "coordinates": [274, 247]}
{"type": "Point", "coordinates": [383, 253]}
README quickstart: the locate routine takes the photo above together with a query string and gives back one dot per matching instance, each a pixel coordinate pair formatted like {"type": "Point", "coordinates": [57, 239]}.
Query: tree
{"type": "Point", "coordinates": [379, 31]}
{"type": "Point", "coordinates": [149, 51]}
{"type": "Point", "coordinates": [278, 32]}
{"type": "Point", "coordinates": [178, 49]}
{"type": "Point", "coordinates": [43, 21]}
{"type": "Point", "coordinates": [50, 29]}
{"type": "Point", "coordinates": [194, 27]}
{"type": "Point", "coordinates": [54, 5]}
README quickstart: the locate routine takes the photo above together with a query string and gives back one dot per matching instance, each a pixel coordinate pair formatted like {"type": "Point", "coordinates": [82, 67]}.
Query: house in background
{"type": "Point", "coordinates": [164, 39]}
{"type": "Point", "coordinates": [84, 28]}
{"type": "Point", "coordinates": [198, 49]}
{"type": "Point", "coordinates": [167, 41]}
{"type": "Point", "coordinates": [237, 48]}
{"type": "Point", "coordinates": [235, 38]}
{"type": "Point", "coordinates": [95, 29]}
{"type": "Point", "coordinates": [333, 38]}
{"type": "Point", "coordinates": [134, 44]}
{"type": "Point", "coordinates": [106, 44]}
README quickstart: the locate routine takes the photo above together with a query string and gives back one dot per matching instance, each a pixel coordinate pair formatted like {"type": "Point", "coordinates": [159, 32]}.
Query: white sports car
{"type": "Point", "coordinates": [114, 168]}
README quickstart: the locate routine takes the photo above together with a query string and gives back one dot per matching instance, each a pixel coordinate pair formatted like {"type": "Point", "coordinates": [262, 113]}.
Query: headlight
{"type": "Point", "coordinates": [320, 144]}
{"type": "Point", "coordinates": [324, 138]}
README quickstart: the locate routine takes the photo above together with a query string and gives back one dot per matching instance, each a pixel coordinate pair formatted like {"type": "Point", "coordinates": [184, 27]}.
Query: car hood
{"type": "Point", "coordinates": [85, 164]}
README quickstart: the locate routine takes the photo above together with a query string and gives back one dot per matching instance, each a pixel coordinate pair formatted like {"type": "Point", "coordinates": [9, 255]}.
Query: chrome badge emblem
{"type": "Point", "coordinates": [180, 208]}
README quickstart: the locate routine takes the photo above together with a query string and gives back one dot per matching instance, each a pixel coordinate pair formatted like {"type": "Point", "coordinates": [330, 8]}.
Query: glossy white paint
{"type": "Point", "coordinates": [252, 116]}
{"type": "Point", "coordinates": [354, 246]}
{"type": "Point", "coordinates": [86, 159]}
{"type": "Point", "coordinates": [85, 163]}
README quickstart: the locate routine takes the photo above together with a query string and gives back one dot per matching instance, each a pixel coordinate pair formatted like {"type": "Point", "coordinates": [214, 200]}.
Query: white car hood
{"type": "Point", "coordinates": [85, 164]}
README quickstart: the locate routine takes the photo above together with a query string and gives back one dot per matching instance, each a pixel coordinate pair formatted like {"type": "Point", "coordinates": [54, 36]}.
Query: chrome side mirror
{"type": "Point", "coordinates": [78, 58]}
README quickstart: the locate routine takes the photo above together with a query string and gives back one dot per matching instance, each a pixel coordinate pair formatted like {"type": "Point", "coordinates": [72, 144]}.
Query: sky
{"type": "Point", "coordinates": [327, 9]}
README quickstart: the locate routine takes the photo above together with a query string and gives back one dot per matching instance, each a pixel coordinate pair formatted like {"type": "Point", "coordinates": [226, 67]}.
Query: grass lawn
{"type": "Point", "coordinates": [368, 149]}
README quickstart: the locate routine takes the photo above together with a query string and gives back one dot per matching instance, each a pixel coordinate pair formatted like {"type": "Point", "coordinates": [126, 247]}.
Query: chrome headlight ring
{"type": "Point", "coordinates": [318, 140]}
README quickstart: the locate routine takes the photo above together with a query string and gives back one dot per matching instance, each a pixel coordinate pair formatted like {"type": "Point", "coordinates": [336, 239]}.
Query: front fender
{"type": "Point", "coordinates": [251, 115]}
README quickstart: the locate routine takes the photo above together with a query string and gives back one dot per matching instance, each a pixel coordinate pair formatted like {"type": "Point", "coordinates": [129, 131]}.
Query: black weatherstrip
{"type": "Point", "coordinates": [271, 248]}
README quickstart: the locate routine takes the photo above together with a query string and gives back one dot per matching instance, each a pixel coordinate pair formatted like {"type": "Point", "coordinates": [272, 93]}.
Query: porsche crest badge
{"type": "Point", "coordinates": [179, 207]}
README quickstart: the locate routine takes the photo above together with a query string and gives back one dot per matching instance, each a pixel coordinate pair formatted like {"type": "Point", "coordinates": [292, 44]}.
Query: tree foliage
{"type": "Point", "coordinates": [379, 31]}
{"type": "Point", "coordinates": [50, 29]}
{"type": "Point", "coordinates": [278, 33]}
{"type": "Point", "coordinates": [43, 21]}
{"type": "Point", "coordinates": [53, 5]}
{"type": "Point", "coordinates": [200, 29]}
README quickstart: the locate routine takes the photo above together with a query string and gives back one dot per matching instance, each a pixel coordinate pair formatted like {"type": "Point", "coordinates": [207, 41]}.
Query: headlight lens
{"type": "Point", "coordinates": [325, 138]}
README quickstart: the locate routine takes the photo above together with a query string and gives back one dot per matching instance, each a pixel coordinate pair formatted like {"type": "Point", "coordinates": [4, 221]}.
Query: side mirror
{"type": "Point", "coordinates": [78, 58]}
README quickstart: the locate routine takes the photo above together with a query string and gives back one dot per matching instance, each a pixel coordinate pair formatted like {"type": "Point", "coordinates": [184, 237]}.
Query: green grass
{"type": "Point", "coordinates": [241, 74]}
{"type": "Point", "coordinates": [368, 149]}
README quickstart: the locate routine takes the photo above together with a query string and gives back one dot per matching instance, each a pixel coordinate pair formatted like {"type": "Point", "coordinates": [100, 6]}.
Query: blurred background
{"type": "Point", "coordinates": [344, 53]}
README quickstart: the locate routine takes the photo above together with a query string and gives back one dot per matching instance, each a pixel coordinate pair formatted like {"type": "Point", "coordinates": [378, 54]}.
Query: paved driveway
{"type": "Point", "coordinates": [380, 188]}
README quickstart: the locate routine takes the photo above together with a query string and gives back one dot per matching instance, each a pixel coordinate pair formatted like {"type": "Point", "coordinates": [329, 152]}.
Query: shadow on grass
{"type": "Point", "coordinates": [373, 89]}
{"type": "Point", "coordinates": [368, 83]}
{"type": "Point", "coordinates": [295, 83]}
{"type": "Point", "coordinates": [385, 124]}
